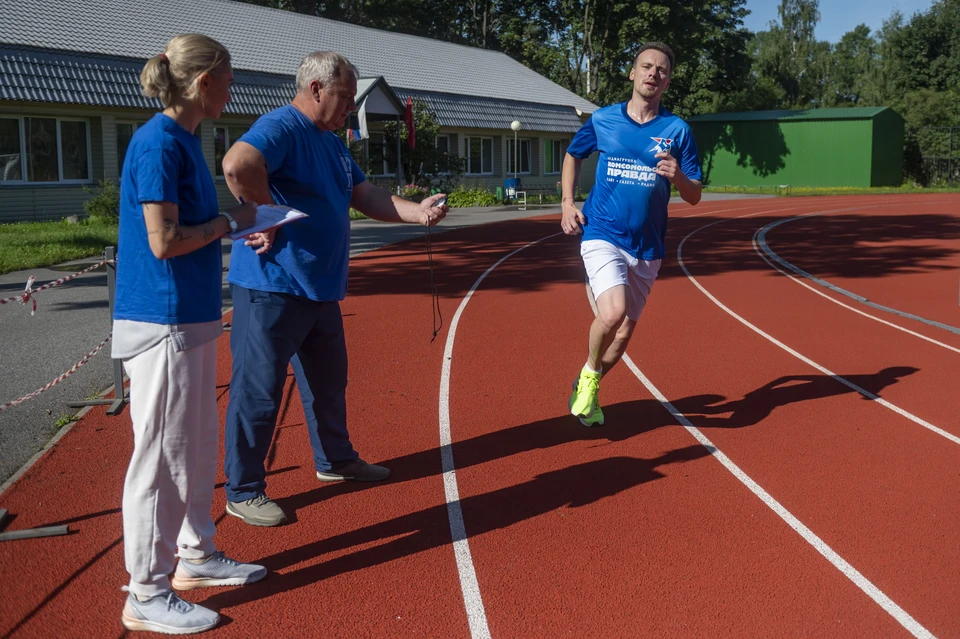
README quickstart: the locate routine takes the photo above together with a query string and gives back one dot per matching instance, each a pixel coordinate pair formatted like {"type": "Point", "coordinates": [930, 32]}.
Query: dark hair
{"type": "Point", "coordinates": [656, 46]}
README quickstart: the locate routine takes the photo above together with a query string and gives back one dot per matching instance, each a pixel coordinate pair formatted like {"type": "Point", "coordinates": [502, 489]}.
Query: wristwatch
{"type": "Point", "coordinates": [231, 221]}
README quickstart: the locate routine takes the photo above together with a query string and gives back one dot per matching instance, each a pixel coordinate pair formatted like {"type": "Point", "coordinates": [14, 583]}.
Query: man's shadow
{"type": "Point", "coordinates": [575, 486]}
{"type": "Point", "coordinates": [758, 404]}
{"type": "Point", "coordinates": [427, 529]}
{"type": "Point", "coordinates": [623, 421]}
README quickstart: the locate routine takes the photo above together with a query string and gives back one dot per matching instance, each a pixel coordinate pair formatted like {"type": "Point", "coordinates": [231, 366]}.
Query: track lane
{"type": "Point", "coordinates": [557, 550]}
{"type": "Point", "coordinates": [661, 545]}
{"type": "Point", "coordinates": [876, 472]}
{"type": "Point", "coordinates": [918, 239]}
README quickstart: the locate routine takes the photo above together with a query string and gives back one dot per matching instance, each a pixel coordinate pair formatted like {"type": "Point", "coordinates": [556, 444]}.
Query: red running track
{"type": "Point", "coordinates": [823, 505]}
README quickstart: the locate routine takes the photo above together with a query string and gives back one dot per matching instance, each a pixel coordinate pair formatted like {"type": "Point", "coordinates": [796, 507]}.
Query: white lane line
{"type": "Point", "coordinates": [760, 251]}
{"type": "Point", "coordinates": [476, 615]}
{"type": "Point", "coordinates": [760, 244]}
{"type": "Point", "coordinates": [917, 420]}
{"type": "Point", "coordinates": [902, 616]}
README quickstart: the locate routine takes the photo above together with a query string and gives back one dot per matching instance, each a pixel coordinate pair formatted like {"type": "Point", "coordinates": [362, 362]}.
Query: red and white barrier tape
{"type": "Point", "coordinates": [29, 291]}
{"type": "Point", "coordinates": [70, 372]}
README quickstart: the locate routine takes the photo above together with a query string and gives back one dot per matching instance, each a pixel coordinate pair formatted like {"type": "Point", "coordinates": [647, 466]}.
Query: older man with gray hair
{"type": "Point", "coordinates": [287, 284]}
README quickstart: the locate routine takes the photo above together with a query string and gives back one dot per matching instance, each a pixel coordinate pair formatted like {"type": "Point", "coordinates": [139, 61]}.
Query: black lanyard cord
{"type": "Point", "coordinates": [434, 295]}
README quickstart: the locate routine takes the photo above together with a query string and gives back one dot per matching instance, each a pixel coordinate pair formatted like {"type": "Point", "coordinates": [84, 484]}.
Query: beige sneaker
{"type": "Point", "coordinates": [259, 511]}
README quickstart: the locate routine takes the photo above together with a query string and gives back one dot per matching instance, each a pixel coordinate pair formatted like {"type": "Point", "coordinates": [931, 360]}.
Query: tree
{"type": "Point", "coordinates": [854, 67]}
{"type": "Point", "coordinates": [789, 54]}
{"type": "Point", "coordinates": [424, 165]}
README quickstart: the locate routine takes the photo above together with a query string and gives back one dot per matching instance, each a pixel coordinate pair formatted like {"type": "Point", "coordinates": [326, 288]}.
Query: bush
{"type": "Point", "coordinates": [104, 206]}
{"type": "Point", "coordinates": [462, 196]}
{"type": "Point", "coordinates": [413, 192]}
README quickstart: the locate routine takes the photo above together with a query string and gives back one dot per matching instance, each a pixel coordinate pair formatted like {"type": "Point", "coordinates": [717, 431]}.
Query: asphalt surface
{"type": "Point", "coordinates": [72, 319]}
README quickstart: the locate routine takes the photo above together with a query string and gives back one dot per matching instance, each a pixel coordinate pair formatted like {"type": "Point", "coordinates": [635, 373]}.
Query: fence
{"type": "Point", "coordinates": [27, 298]}
{"type": "Point", "coordinates": [932, 155]}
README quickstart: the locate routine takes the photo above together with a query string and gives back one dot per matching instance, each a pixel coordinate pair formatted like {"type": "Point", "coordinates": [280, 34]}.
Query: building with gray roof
{"type": "Point", "coordinates": [70, 97]}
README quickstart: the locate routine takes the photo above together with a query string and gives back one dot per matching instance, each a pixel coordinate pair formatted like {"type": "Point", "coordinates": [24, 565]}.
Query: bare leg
{"type": "Point", "coordinates": [611, 315]}
{"type": "Point", "coordinates": [619, 345]}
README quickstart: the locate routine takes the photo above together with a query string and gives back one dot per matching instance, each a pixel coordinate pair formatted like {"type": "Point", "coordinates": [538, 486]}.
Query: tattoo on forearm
{"type": "Point", "coordinates": [208, 232]}
{"type": "Point", "coordinates": [172, 227]}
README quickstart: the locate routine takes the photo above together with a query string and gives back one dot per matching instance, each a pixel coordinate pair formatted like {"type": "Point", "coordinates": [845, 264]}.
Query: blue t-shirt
{"type": "Point", "coordinates": [628, 204]}
{"type": "Point", "coordinates": [312, 171]}
{"type": "Point", "coordinates": [164, 163]}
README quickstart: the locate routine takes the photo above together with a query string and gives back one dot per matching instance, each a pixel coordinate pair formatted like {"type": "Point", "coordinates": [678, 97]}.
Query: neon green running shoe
{"type": "Point", "coordinates": [585, 400]}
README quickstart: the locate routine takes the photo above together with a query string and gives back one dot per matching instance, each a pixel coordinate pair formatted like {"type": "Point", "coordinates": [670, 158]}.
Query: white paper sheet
{"type": "Point", "coordinates": [270, 216]}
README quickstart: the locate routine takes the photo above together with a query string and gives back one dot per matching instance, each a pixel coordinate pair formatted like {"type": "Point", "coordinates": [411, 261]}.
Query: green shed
{"type": "Point", "coordinates": [860, 147]}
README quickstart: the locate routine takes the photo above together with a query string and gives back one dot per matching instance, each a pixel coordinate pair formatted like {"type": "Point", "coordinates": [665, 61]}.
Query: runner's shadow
{"type": "Point", "coordinates": [757, 405]}
{"type": "Point", "coordinates": [623, 421]}
{"type": "Point", "coordinates": [417, 532]}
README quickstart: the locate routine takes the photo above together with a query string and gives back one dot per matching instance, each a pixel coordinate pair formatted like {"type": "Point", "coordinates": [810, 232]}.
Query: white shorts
{"type": "Point", "coordinates": [608, 266]}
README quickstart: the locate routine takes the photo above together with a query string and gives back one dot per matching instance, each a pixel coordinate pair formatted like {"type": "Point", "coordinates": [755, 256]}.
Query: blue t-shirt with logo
{"type": "Point", "coordinates": [628, 204]}
{"type": "Point", "coordinates": [165, 163]}
{"type": "Point", "coordinates": [312, 171]}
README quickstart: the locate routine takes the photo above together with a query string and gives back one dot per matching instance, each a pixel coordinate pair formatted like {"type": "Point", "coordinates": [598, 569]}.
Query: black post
{"type": "Point", "coordinates": [119, 393]}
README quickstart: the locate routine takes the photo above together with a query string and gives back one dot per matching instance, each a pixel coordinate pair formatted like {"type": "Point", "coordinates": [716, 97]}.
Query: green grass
{"type": "Point", "coordinates": [33, 244]}
{"type": "Point", "coordinates": [357, 215]}
{"type": "Point", "coordinates": [63, 420]}
{"type": "Point", "coordinates": [792, 191]}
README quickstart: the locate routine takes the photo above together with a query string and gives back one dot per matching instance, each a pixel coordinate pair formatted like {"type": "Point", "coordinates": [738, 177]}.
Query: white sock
{"type": "Point", "coordinates": [586, 367]}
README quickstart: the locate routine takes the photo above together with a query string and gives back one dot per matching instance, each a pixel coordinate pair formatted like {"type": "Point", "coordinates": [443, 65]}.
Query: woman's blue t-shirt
{"type": "Point", "coordinates": [165, 163]}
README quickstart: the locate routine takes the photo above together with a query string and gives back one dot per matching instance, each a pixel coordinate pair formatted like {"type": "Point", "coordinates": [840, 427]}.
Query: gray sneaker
{"type": "Point", "coordinates": [259, 511]}
{"type": "Point", "coordinates": [216, 570]}
{"type": "Point", "coordinates": [167, 613]}
{"type": "Point", "coordinates": [356, 470]}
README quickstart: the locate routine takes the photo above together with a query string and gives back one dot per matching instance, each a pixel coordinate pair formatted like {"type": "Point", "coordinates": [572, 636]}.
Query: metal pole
{"type": "Point", "coordinates": [119, 394]}
{"type": "Point", "coordinates": [516, 156]}
{"type": "Point", "coordinates": [399, 165]}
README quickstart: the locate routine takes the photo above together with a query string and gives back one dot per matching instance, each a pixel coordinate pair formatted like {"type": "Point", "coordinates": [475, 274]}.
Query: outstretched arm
{"type": "Point", "coordinates": [381, 205]}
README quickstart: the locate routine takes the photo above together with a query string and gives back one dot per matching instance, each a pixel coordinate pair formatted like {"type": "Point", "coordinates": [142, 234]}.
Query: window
{"type": "Point", "coordinates": [43, 160]}
{"type": "Point", "coordinates": [524, 157]}
{"type": "Point", "coordinates": [125, 131]}
{"type": "Point", "coordinates": [223, 138]}
{"type": "Point", "coordinates": [553, 152]}
{"type": "Point", "coordinates": [480, 156]}
{"type": "Point", "coordinates": [74, 159]}
{"type": "Point", "coordinates": [11, 169]}
{"type": "Point", "coordinates": [383, 160]}
{"type": "Point", "coordinates": [37, 150]}
{"type": "Point", "coordinates": [443, 150]}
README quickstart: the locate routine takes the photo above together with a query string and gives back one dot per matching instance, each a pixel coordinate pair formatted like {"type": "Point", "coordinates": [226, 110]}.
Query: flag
{"type": "Point", "coordinates": [408, 119]}
{"type": "Point", "coordinates": [362, 117]}
{"type": "Point", "coordinates": [357, 127]}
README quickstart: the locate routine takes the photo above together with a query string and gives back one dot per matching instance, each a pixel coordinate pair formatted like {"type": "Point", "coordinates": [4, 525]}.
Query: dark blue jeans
{"type": "Point", "coordinates": [270, 331]}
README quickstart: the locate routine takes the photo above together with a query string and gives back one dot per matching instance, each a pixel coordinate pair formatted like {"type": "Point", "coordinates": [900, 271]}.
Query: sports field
{"type": "Point", "coordinates": [780, 455]}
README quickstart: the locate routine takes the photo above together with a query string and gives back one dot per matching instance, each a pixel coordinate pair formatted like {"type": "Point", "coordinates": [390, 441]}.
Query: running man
{"type": "Point", "coordinates": [643, 150]}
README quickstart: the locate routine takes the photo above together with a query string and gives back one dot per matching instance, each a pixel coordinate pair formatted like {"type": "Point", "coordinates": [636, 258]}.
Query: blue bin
{"type": "Point", "coordinates": [511, 186]}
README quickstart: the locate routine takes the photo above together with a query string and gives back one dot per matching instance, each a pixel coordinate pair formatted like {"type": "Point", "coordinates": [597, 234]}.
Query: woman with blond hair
{"type": "Point", "coordinates": [166, 322]}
